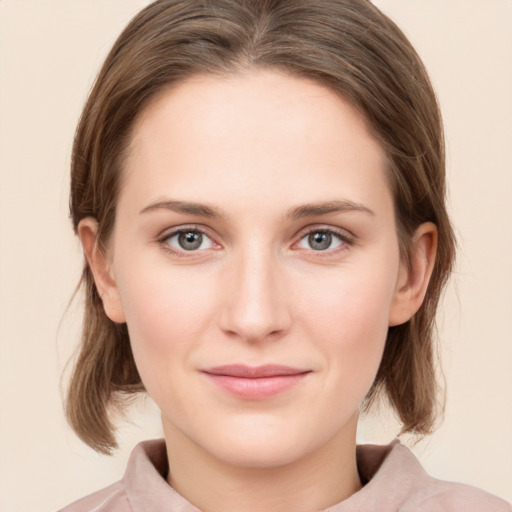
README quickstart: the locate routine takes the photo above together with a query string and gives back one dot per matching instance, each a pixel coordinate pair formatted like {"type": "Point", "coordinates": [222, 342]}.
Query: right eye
{"type": "Point", "coordinates": [188, 240]}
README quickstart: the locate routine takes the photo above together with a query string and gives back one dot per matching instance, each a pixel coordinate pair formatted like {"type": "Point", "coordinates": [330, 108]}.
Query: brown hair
{"type": "Point", "coordinates": [348, 46]}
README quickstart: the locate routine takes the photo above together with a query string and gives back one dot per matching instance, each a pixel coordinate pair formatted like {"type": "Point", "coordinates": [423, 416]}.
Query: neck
{"type": "Point", "coordinates": [318, 480]}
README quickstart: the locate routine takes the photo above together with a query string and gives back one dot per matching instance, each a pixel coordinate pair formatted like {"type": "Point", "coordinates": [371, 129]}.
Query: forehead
{"type": "Point", "coordinates": [253, 134]}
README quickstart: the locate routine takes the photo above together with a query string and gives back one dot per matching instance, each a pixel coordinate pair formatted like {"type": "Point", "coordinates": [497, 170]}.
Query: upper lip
{"type": "Point", "coordinates": [254, 372]}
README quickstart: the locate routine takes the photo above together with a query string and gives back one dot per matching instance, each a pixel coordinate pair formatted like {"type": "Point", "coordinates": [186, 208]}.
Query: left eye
{"type": "Point", "coordinates": [189, 240]}
{"type": "Point", "coordinates": [321, 241]}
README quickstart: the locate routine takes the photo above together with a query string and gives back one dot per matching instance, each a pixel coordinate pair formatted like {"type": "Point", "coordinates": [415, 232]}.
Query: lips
{"type": "Point", "coordinates": [255, 382]}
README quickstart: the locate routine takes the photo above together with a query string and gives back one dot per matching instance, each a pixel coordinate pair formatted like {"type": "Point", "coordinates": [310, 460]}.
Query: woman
{"type": "Point", "coordinates": [259, 191]}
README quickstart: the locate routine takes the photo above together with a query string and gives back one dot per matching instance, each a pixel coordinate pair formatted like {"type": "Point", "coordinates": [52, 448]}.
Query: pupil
{"type": "Point", "coordinates": [320, 241]}
{"type": "Point", "coordinates": [190, 240]}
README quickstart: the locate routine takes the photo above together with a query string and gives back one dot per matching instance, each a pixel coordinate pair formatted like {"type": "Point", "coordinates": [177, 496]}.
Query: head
{"type": "Point", "coordinates": [347, 48]}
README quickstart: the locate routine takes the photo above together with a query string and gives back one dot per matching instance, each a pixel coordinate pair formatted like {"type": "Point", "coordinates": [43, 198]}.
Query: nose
{"type": "Point", "coordinates": [255, 300]}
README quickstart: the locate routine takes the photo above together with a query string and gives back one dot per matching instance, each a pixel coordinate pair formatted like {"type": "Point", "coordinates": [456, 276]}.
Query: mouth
{"type": "Point", "coordinates": [255, 382]}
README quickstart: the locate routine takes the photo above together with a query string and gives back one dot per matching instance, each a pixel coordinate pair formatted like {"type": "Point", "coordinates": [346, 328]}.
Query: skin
{"type": "Point", "coordinates": [255, 148]}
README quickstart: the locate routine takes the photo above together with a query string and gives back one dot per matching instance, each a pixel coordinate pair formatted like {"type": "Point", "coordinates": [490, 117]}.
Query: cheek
{"type": "Point", "coordinates": [348, 317]}
{"type": "Point", "coordinates": [165, 313]}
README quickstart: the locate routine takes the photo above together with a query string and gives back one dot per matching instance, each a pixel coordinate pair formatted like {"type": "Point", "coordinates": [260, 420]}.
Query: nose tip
{"type": "Point", "coordinates": [255, 303]}
{"type": "Point", "coordinates": [252, 331]}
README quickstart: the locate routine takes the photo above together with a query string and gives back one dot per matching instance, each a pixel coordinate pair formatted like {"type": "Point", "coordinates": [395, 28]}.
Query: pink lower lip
{"type": "Point", "coordinates": [246, 385]}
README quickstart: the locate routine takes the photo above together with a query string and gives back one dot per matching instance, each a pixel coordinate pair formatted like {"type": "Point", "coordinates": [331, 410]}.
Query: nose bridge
{"type": "Point", "coordinates": [255, 306]}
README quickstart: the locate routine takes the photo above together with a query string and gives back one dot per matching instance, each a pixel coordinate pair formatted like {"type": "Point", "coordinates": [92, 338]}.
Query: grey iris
{"type": "Point", "coordinates": [320, 241]}
{"type": "Point", "coordinates": [190, 240]}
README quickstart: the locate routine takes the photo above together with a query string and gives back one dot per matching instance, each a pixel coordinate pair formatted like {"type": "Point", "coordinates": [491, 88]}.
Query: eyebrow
{"type": "Point", "coordinates": [324, 208]}
{"type": "Point", "coordinates": [185, 207]}
{"type": "Point", "coordinates": [298, 212]}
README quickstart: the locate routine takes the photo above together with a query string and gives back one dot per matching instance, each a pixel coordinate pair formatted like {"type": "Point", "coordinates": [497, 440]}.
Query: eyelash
{"type": "Point", "coordinates": [164, 240]}
{"type": "Point", "coordinates": [343, 236]}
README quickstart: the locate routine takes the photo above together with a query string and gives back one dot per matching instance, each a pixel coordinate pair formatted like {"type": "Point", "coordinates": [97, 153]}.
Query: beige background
{"type": "Point", "coordinates": [49, 53]}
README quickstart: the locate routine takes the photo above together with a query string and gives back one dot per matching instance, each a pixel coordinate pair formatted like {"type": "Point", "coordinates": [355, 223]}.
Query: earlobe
{"type": "Point", "coordinates": [100, 265]}
{"type": "Point", "coordinates": [413, 279]}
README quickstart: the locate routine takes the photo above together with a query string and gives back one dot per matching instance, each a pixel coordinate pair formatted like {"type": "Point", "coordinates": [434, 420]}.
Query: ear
{"type": "Point", "coordinates": [413, 278]}
{"type": "Point", "coordinates": [100, 265]}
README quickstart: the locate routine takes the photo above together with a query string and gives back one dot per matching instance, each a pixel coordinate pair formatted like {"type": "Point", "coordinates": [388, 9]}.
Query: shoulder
{"type": "Point", "coordinates": [429, 494]}
{"type": "Point", "coordinates": [397, 482]}
{"type": "Point", "coordinates": [141, 489]}
{"type": "Point", "coordinates": [453, 497]}
{"type": "Point", "coordinates": [111, 499]}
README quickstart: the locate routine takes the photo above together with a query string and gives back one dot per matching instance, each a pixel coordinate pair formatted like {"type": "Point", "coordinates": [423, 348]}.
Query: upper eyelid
{"type": "Point", "coordinates": [342, 232]}
{"type": "Point", "coordinates": [168, 232]}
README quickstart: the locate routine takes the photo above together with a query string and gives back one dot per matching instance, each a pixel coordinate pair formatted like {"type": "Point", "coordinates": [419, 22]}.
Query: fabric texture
{"type": "Point", "coordinates": [396, 482]}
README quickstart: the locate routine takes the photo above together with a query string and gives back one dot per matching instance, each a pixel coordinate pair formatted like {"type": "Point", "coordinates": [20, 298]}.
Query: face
{"type": "Point", "coordinates": [256, 263]}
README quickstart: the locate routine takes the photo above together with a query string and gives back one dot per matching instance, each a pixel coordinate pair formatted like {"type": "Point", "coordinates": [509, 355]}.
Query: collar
{"type": "Point", "coordinates": [391, 473]}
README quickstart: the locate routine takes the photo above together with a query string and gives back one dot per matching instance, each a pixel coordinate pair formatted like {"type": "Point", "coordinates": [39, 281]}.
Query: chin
{"type": "Point", "coordinates": [266, 446]}
{"type": "Point", "coordinates": [260, 455]}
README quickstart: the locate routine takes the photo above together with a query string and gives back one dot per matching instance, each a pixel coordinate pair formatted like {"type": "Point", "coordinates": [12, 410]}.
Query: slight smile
{"type": "Point", "coordinates": [255, 382]}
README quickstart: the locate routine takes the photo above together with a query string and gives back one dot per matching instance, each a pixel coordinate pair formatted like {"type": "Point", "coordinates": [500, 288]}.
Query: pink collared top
{"type": "Point", "coordinates": [394, 482]}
